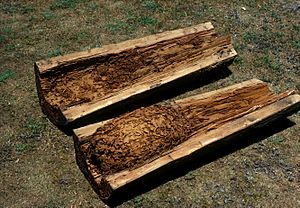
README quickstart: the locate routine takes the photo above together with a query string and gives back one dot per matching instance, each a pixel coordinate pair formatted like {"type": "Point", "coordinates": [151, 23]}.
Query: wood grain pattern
{"type": "Point", "coordinates": [203, 119]}
{"type": "Point", "coordinates": [60, 62]}
{"type": "Point", "coordinates": [79, 85]}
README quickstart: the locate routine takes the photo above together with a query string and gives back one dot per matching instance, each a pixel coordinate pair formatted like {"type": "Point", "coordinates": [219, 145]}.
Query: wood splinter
{"type": "Point", "coordinates": [117, 152]}
{"type": "Point", "coordinates": [76, 87]}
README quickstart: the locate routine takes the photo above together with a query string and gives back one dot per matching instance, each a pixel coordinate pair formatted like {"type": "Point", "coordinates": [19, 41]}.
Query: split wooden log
{"type": "Point", "coordinates": [74, 87]}
{"type": "Point", "coordinates": [117, 152]}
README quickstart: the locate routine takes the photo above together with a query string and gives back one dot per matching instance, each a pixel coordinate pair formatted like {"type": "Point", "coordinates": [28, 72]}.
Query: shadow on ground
{"type": "Point", "coordinates": [204, 156]}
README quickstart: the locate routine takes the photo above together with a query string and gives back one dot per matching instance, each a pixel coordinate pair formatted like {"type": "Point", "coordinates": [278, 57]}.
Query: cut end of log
{"type": "Point", "coordinates": [53, 112]}
{"type": "Point", "coordinates": [78, 88]}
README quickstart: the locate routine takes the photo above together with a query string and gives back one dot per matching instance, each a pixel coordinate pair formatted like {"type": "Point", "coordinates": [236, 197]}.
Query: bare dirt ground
{"type": "Point", "coordinates": [37, 161]}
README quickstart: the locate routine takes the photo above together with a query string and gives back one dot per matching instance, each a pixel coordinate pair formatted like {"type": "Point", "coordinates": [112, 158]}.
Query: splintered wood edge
{"type": "Point", "coordinates": [195, 143]}
{"type": "Point", "coordinates": [91, 129]}
{"type": "Point", "coordinates": [52, 63]}
{"type": "Point", "coordinates": [244, 84]}
{"type": "Point", "coordinates": [76, 112]}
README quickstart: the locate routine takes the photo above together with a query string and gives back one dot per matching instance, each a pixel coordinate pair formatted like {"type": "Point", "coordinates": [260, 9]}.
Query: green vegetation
{"type": "Point", "coordinates": [117, 25]}
{"type": "Point", "coordinates": [238, 60]}
{"type": "Point", "coordinates": [271, 63]}
{"type": "Point", "coordinates": [9, 48]}
{"type": "Point", "coordinates": [151, 5]}
{"type": "Point", "coordinates": [250, 36]}
{"type": "Point", "coordinates": [2, 38]}
{"type": "Point", "coordinates": [6, 34]}
{"type": "Point", "coordinates": [276, 139]}
{"type": "Point", "coordinates": [80, 36]}
{"type": "Point", "coordinates": [48, 14]}
{"type": "Point", "coordinates": [30, 132]}
{"type": "Point", "coordinates": [65, 4]}
{"type": "Point", "coordinates": [16, 7]}
{"type": "Point", "coordinates": [93, 6]}
{"type": "Point", "coordinates": [34, 155]}
{"type": "Point", "coordinates": [146, 20]}
{"type": "Point", "coordinates": [275, 16]}
{"type": "Point", "coordinates": [296, 44]}
{"type": "Point", "coordinates": [55, 52]}
{"type": "Point", "coordinates": [34, 127]}
{"type": "Point", "coordinates": [6, 74]}
{"type": "Point", "coordinates": [268, 62]}
{"type": "Point", "coordinates": [22, 147]}
{"type": "Point", "coordinates": [7, 30]}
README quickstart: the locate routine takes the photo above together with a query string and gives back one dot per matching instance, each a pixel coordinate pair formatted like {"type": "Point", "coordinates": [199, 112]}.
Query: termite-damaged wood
{"type": "Point", "coordinates": [119, 151]}
{"type": "Point", "coordinates": [78, 85]}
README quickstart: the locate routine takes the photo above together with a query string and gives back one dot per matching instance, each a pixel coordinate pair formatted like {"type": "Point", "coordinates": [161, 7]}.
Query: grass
{"type": "Point", "coordinates": [36, 158]}
{"type": "Point", "coordinates": [9, 48]}
{"type": "Point", "coordinates": [55, 52]}
{"type": "Point", "coordinates": [64, 4]}
{"type": "Point", "coordinates": [117, 25]}
{"type": "Point", "coordinates": [151, 5]}
{"type": "Point", "coordinates": [15, 7]}
{"type": "Point", "coordinates": [22, 147]}
{"type": "Point", "coordinates": [268, 62]}
{"type": "Point", "coordinates": [250, 36]}
{"type": "Point", "coordinates": [148, 21]}
{"type": "Point", "coordinates": [6, 74]}
{"type": "Point", "coordinates": [296, 44]}
{"type": "Point", "coordinates": [6, 34]}
{"type": "Point", "coordinates": [48, 15]}
{"type": "Point", "coordinates": [272, 64]}
{"type": "Point", "coordinates": [93, 6]}
{"type": "Point", "coordinates": [81, 36]}
{"type": "Point", "coordinates": [34, 126]}
{"type": "Point", "coordinates": [238, 61]}
{"type": "Point", "coordinates": [31, 131]}
{"type": "Point", "coordinates": [7, 30]}
{"type": "Point", "coordinates": [276, 139]}
{"type": "Point", "coordinates": [130, 22]}
{"type": "Point", "coordinates": [2, 38]}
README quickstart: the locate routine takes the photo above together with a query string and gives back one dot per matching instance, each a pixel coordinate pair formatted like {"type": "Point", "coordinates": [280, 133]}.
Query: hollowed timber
{"type": "Point", "coordinates": [76, 86]}
{"type": "Point", "coordinates": [119, 151]}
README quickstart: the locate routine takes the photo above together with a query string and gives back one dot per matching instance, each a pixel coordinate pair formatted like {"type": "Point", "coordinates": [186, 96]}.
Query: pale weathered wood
{"type": "Point", "coordinates": [266, 107]}
{"type": "Point", "coordinates": [88, 130]}
{"type": "Point", "coordinates": [77, 112]}
{"type": "Point", "coordinates": [168, 56]}
{"type": "Point", "coordinates": [259, 117]}
{"type": "Point", "coordinates": [55, 63]}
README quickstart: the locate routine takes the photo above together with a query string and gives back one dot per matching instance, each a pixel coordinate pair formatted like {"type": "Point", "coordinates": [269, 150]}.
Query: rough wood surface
{"type": "Point", "coordinates": [61, 62]}
{"type": "Point", "coordinates": [123, 149]}
{"type": "Point", "coordinates": [80, 84]}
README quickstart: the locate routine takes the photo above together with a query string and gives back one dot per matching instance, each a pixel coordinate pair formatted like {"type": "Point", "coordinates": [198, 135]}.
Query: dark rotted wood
{"type": "Point", "coordinates": [75, 87]}
{"type": "Point", "coordinates": [117, 152]}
